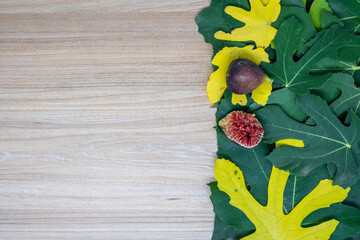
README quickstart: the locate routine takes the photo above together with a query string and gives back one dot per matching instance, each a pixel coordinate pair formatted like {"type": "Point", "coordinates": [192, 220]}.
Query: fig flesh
{"type": "Point", "coordinates": [242, 128]}
{"type": "Point", "coordinates": [244, 76]}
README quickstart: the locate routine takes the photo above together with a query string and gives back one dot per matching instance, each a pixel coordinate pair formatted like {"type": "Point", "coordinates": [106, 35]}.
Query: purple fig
{"type": "Point", "coordinates": [244, 76]}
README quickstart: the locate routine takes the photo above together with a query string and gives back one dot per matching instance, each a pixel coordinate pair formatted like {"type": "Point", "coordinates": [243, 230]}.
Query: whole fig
{"type": "Point", "coordinates": [244, 76]}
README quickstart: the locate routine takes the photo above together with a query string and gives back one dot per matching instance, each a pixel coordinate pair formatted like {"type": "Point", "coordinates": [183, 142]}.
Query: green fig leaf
{"type": "Point", "coordinates": [223, 231]}
{"type": "Point", "coordinates": [308, 29]}
{"type": "Point", "coordinates": [295, 3]}
{"type": "Point", "coordinates": [328, 19]}
{"type": "Point", "coordinates": [353, 198]}
{"type": "Point", "coordinates": [348, 12]}
{"type": "Point", "coordinates": [328, 142]}
{"type": "Point", "coordinates": [342, 94]}
{"type": "Point", "coordinates": [349, 218]}
{"type": "Point", "coordinates": [296, 75]}
{"type": "Point", "coordinates": [286, 99]}
{"type": "Point", "coordinates": [213, 19]}
{"type": "Point", "coordinates": [345, 59]}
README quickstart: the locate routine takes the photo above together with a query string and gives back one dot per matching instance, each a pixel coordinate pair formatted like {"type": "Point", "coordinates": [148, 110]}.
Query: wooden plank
{"type": "Point", "coordinates": [106, 131]}
{"type": "Point", "coordinates": [100, 6]}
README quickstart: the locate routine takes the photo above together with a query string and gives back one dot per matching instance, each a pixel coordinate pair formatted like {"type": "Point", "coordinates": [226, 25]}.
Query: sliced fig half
{"type": "Point", "coordinates": [242, 128]}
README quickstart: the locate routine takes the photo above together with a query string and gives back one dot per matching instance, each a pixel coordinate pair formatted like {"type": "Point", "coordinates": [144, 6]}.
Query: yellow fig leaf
{"type": "Point", "coordinates": [261, 94]}
{"type": "Point", "coordinates": [217, 83]}
{"type": "Point", "coordinates": [257, 22]}
{"type": "Point", "coordinates": [290, 142]}
{"type": "Point", "coordinates": [270, 221]}
{"type": "Point", "coordinates": [239, 99]}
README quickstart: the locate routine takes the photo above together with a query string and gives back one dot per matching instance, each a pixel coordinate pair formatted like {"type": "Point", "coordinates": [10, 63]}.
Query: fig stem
{"type": "Point", "coordinates": [268, 79]}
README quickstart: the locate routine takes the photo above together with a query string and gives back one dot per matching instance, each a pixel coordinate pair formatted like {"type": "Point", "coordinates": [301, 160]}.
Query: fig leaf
{"type": "Point", "coordinates": [341, 93]}
{"type": "Point", "coordinates": [295, 75]}
{"type": "Point", "coordinates": [327, 142]}
{"type": "Point", "coordinates": [270, 220]}
{"type": "Point", "coordinates": [257, 22]}
{"type": "Point", "coordinates": [349, 13]}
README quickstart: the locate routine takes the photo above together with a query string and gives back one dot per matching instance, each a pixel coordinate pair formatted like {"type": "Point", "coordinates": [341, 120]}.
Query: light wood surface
{"type": "Point", "coordinates": [105, 127]}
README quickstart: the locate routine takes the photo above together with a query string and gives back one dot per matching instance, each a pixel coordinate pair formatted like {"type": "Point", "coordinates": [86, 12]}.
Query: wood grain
{"type": "Point", "coordinates": [106, 131]}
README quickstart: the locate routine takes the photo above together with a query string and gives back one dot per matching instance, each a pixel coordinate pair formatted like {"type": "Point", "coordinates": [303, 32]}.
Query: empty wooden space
{"type": "Point", "coordinates": [105, 127]}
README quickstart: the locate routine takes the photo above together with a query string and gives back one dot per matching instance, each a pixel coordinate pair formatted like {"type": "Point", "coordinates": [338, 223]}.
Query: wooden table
{"type": "Point", "coordinates": [106, 130]}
